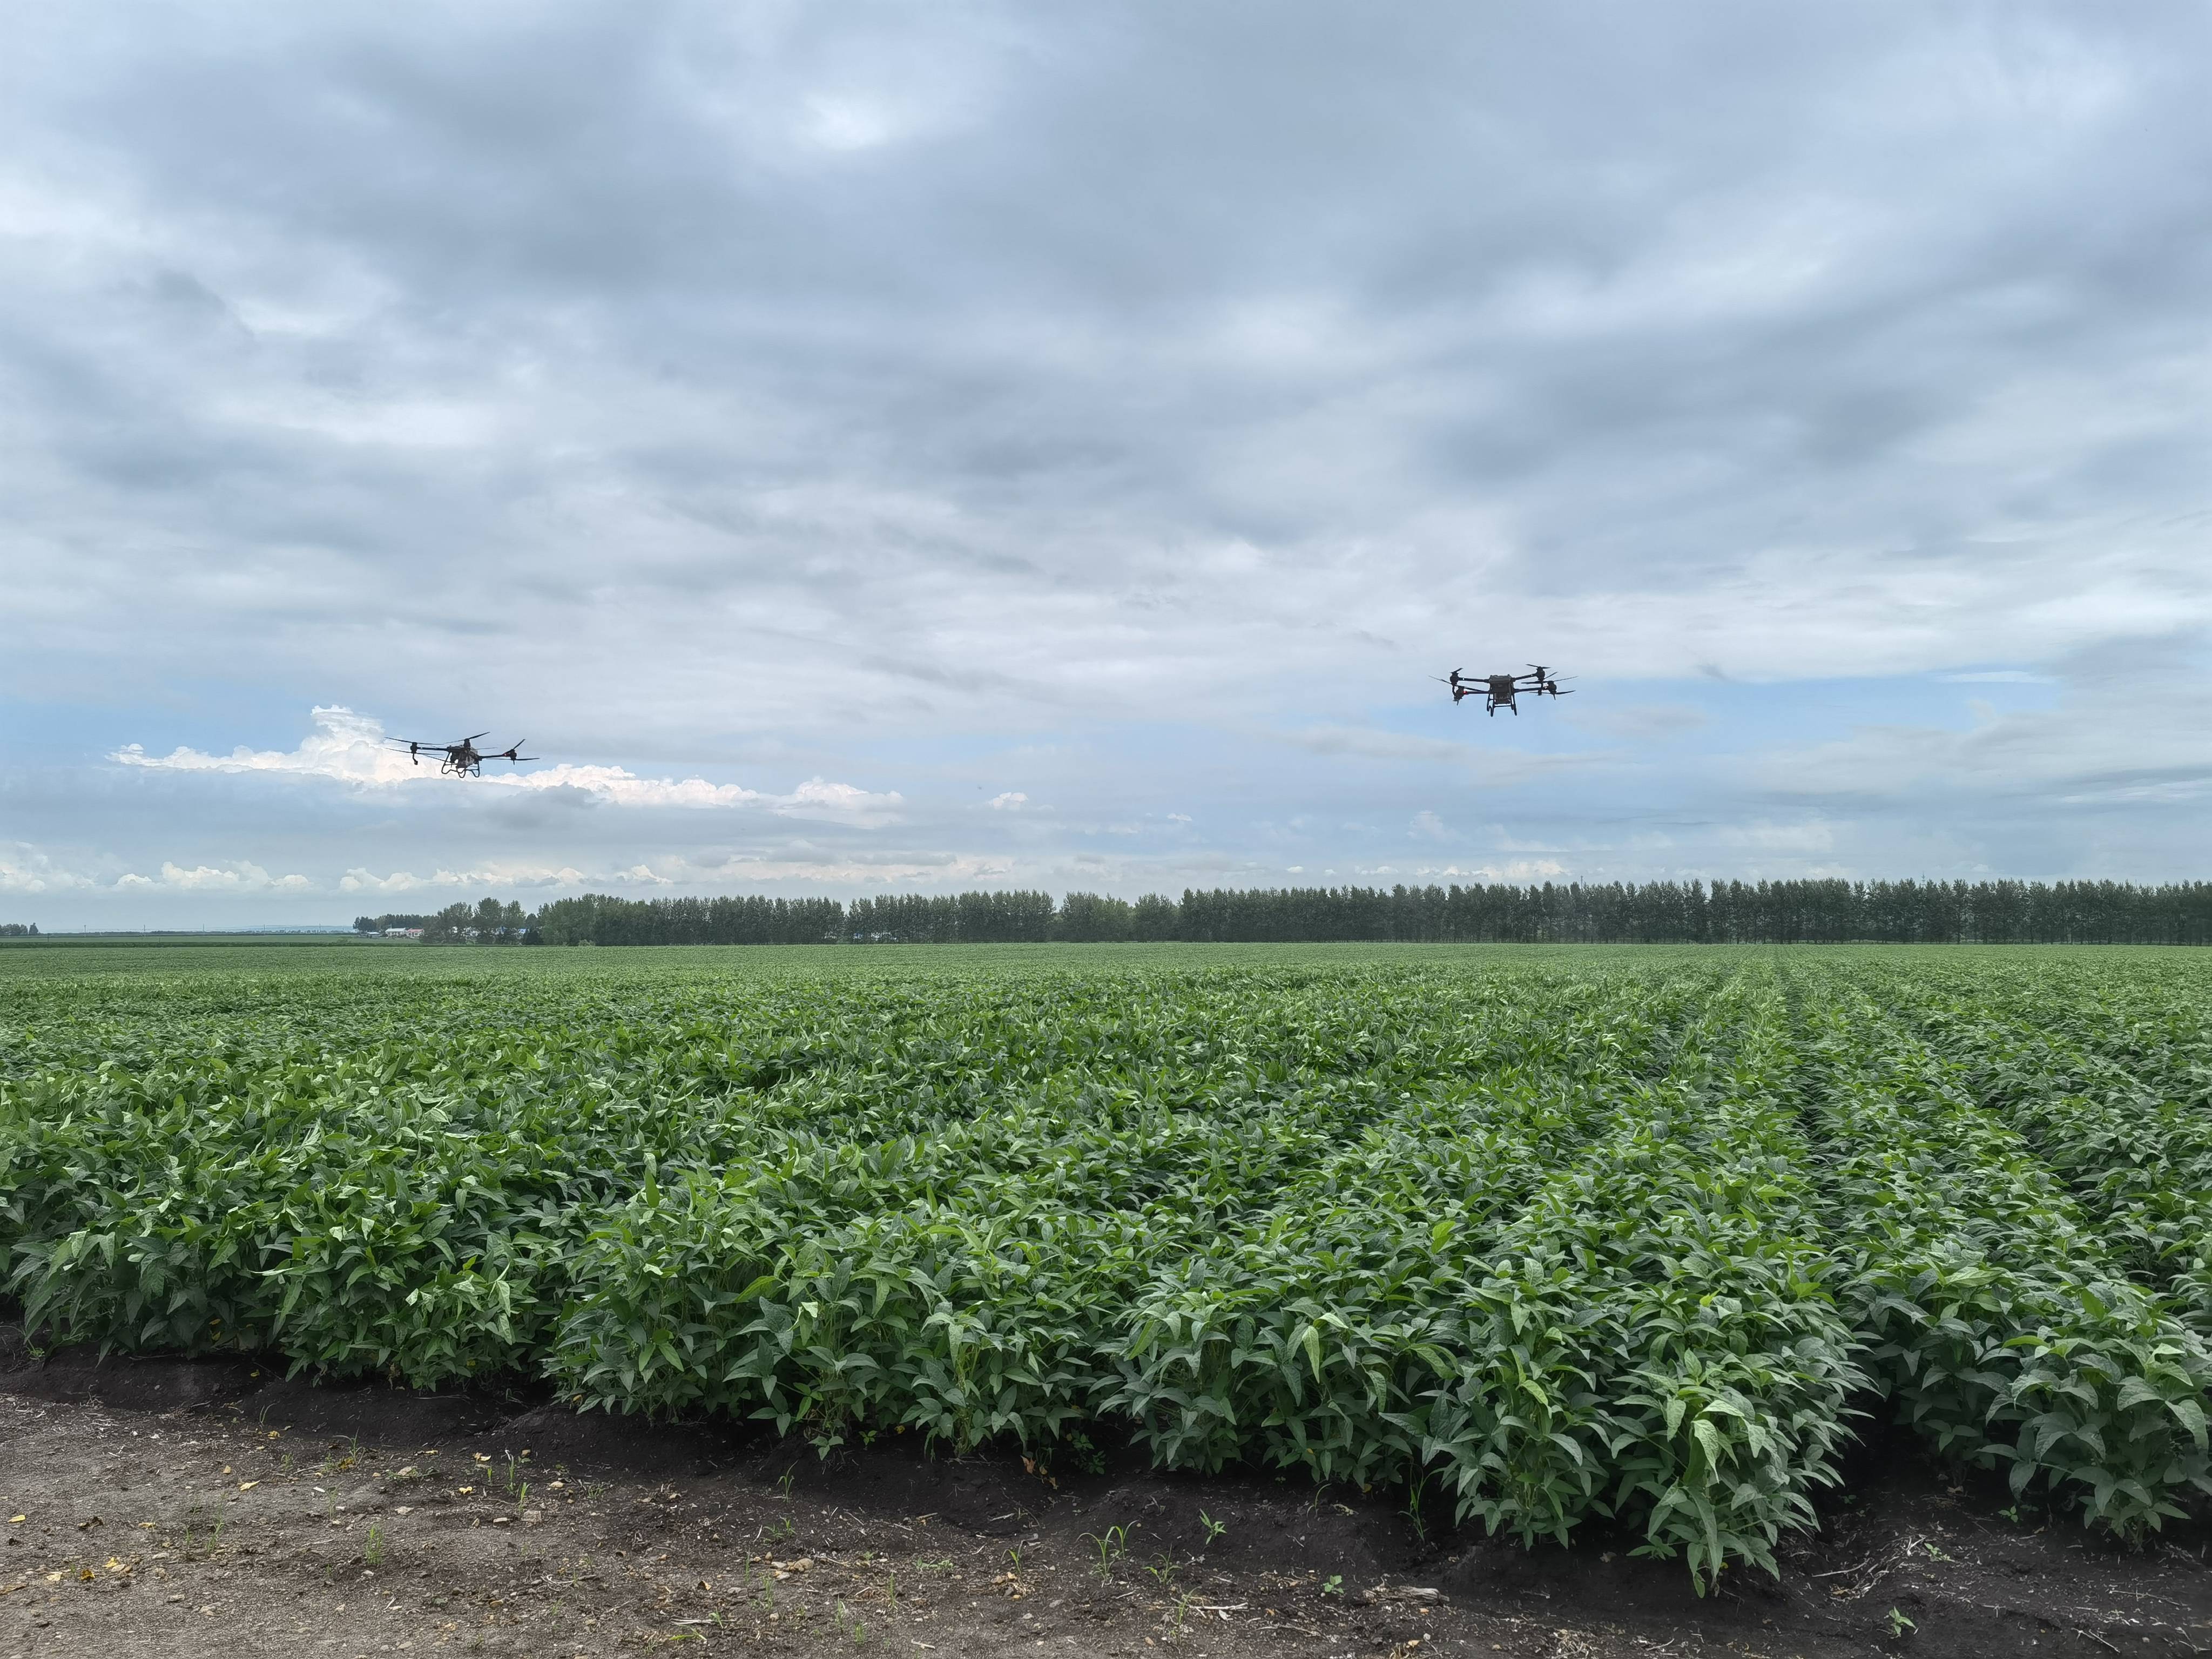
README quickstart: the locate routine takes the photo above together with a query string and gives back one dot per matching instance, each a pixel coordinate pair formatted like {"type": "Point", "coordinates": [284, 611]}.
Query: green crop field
{"type": "Point", "coordinates": [1532, 1236]}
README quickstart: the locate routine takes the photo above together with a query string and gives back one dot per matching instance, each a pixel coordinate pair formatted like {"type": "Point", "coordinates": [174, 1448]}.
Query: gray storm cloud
{"type": "Point", "coordinates": [1125, 410]}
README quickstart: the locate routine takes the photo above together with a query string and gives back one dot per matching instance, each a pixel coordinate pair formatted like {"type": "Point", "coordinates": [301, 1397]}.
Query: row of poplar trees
{"type": "Point", "coordinates": [1656, 912]}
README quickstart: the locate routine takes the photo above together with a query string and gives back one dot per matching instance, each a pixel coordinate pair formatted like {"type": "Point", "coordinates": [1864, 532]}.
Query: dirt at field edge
{"type": "Point", "coordinates": [203, 1507]}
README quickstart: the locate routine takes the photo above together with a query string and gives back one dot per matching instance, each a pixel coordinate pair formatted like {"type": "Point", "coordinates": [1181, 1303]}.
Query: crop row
{"type": "Point", "coordinates": [2131, 1137]}
{"type": "Point", "coordinates": [1998, 1319]}
{"type": "Point", "coordinates": [416, 1203]}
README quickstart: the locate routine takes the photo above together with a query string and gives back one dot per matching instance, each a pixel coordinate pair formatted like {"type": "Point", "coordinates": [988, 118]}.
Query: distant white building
{"type": "Point", "coordinates": [403, 933]}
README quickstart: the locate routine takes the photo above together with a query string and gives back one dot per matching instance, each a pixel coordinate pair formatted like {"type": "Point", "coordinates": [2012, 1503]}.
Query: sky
{"type": "Point", "coordinates": [873, 449]}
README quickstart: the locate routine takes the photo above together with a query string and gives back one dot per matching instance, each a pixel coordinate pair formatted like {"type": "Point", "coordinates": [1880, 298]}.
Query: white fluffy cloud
{"type": "Point", "coordinates": [344, 745]}
{"type": "Point", "coordinates": [242, 876]}
{"type": "Point", "coordinates": [353, 749]}
{"type": "Point", "coordinates": [505, 877]}
{"type": "Point", "coordinates": [27, 870]}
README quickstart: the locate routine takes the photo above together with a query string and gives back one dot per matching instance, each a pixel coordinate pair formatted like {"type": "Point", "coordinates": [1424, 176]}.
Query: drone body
{"type": "Point", "coordinates": [462, 759]}
{"type": "Point", "coordinates": [1501, 691]}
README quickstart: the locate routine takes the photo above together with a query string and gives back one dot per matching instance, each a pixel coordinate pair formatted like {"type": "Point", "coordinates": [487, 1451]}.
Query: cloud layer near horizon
{"type": "Point", "coordinates": [1085, 434]}
{"type": "Point", "coordinates": [351, 748]}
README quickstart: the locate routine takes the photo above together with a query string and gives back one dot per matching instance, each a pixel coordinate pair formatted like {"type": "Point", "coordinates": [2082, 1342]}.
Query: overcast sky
{"type": "Point", "coordinates": [919, 447]}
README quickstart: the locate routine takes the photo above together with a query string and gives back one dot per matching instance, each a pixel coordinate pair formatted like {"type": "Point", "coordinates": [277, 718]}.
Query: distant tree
{"type": "Point", "coordinates": [454, 925]}
{"type": "Point", "coordinates": [571, 921]}
{"type": "Point", "coordinates": [1155, 917]}
{"type": "Point", "coordinates": [488, 921]}
{"type": "Point", "coordinates": [1088, 918]}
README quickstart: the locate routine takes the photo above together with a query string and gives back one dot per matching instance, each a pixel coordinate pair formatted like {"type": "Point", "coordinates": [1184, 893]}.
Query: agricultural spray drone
{"type": "Point", "coordinates": [1499, 690]}
{"type": "Point", "coordinates": [461, 759]}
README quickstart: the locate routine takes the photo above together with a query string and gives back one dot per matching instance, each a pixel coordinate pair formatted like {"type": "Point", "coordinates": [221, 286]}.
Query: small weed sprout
{"type": "Point", "coordinates": [1213, 1529]}
{"type": "Point", "coordinates": [851, 1628]}
{"type": "Point", "coordinates": [1334, 1586]}
{"type": "Point", "coordinates": [1898, 1623]}
{"type": "Point", "coordinates": [1414, 1490]}
{"type": "Point", "coordinates": [371, 1549]}
{"type": "Point", "coordinates": [1112, 1548]}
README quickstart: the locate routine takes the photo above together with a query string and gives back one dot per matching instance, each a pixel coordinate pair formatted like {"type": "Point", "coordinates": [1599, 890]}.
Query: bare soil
{"type": "Point", "coordinates": [204, 1508]}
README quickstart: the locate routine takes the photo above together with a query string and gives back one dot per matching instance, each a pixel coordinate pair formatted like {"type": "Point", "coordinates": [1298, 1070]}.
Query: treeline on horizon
{"type": "Point", "coordinates": [489, 922]}
{"type": "Point", "coordinates": [1652, 913]}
